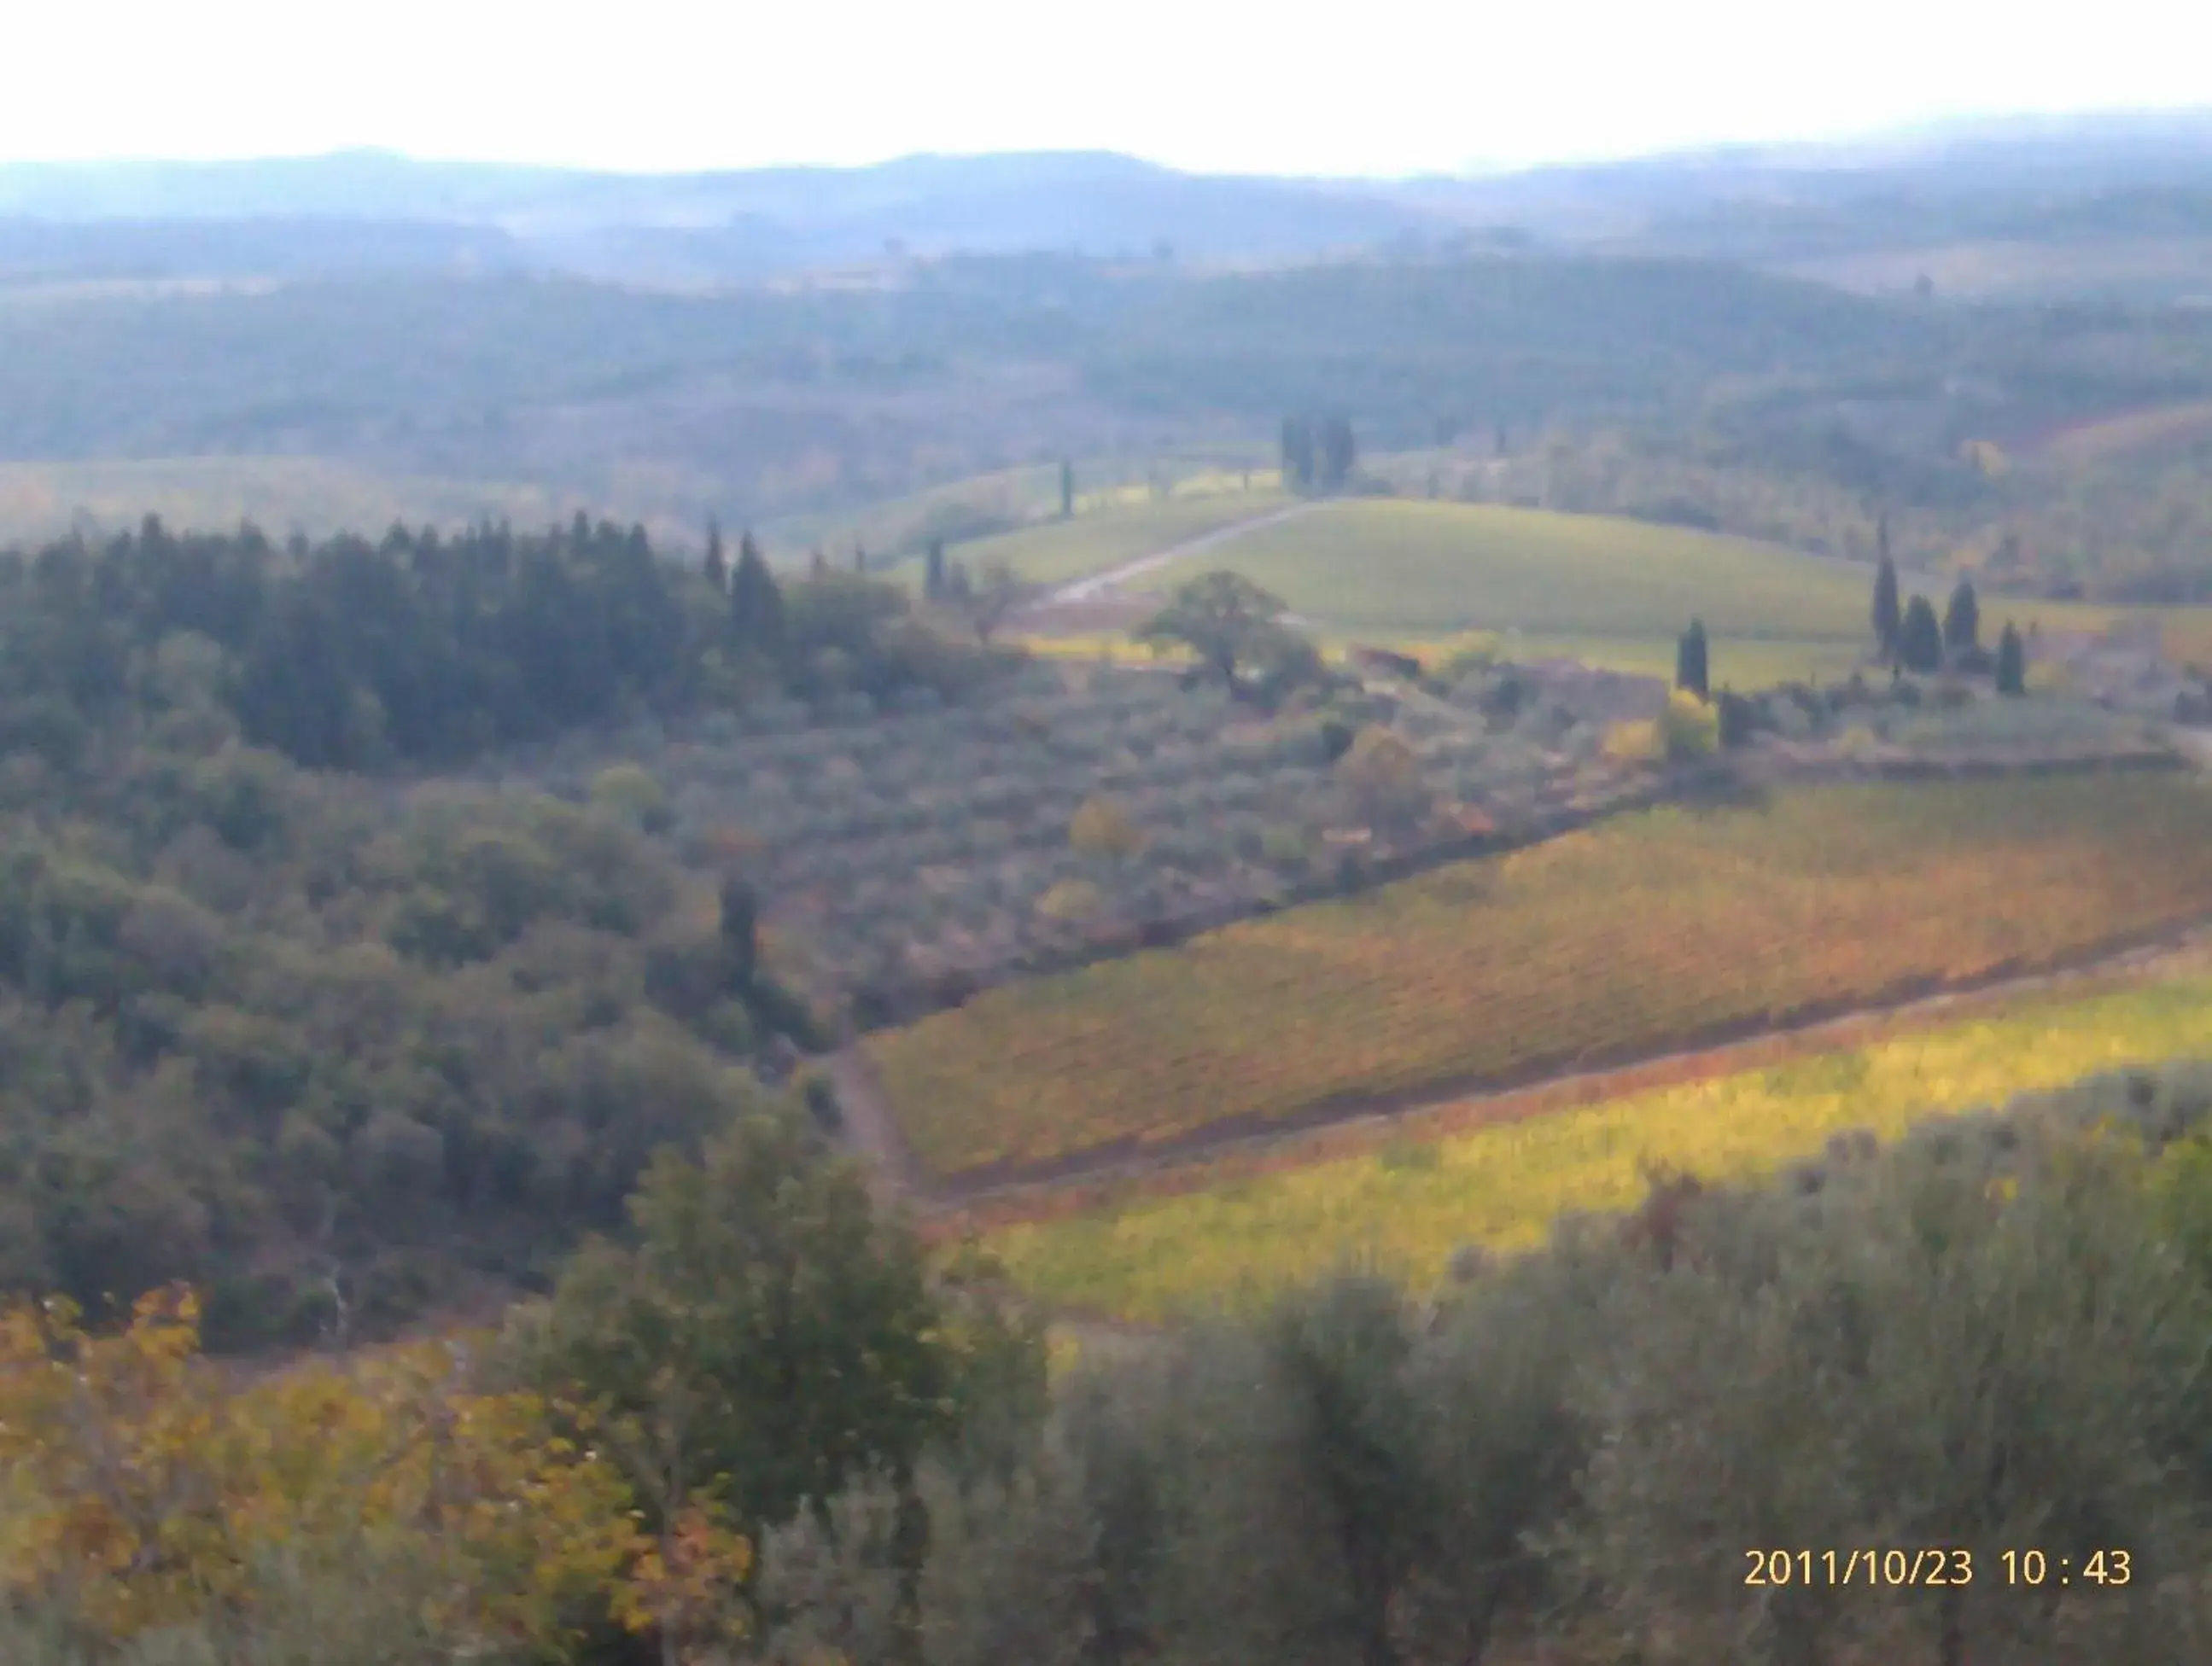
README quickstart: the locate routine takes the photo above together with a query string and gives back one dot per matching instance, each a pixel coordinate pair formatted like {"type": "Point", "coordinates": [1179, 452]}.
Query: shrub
{"type": "Point", "coordinates": [631, 793]}
{"type": "Point", "coordinates": [1382, 775]}
{"type": "Point", "coordinates": [1688, 728]}
{"type": "Point", "coordinates": [1071, 899]}
{"type": "Point", "coordinates": [1635, 741]}
{"type": "Point", "coordinates": [1102, 827]}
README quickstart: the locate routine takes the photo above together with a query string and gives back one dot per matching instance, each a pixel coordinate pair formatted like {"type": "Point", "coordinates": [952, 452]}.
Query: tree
{"type": "Point", "coordinates": [1338, 452]}
{"type": "Point", "coordinates": [1224, 618]}
{"type": "Point", "coordinates": [1962, 618]}
{"type": "Point", "coordinates": [740, 933]}
{"type": "Point", "coordinates": [717, 564]}
{"type": "Point", "coordinates": [860, 558]}
{"type": "Point", "coordinates": [1690, 660]}
{"type": "Point", "coordinates": [1066, 490]}
{"type": "Point", "coordinates": [1919, 638]}
{"type": "Point", "coordinates": [1298, 453]}
{"type": "Point", "coordinates": [1887, 620]}
{"type": "Point", "coordinates": [767, 1339]}
{"type": "Point", "coordinates": [932, 572]}
{"type": "Point", "coordinates": [2012, 662]}
{"type": "Point", "coordinates": [755, 602]}
{"type": "Point", "coordinates": [1102, 827]}
{"type": "Point", "coordinates": [990, 601]}
{"type": "Point", "coordinates": [1381, 775]}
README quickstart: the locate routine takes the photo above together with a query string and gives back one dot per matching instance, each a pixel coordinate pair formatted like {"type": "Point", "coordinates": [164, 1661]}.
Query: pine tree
{"type": "Point", "coordinates": [1887, 617]}
{"type": "Point", "coordinates": [717, 564]}
{"type": "Point", "coordinates": [2012, 662]}
{"type": "Point", "coordinates": [1962, 618]}
{"type": "Point", "coordinates": [932, 572]}
{"type": "Point", "coordinates": [756, 602]}
{"type": "Point", "coordinates": [1919, 638]}
{"type": "Point", "coordinates": [1066, 490]}
{"type": "Point", "coordinates": [1690, 660]}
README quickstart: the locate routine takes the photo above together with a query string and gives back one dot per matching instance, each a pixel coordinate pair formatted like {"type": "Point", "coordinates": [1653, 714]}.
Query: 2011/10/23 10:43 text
{"type": "Point", "coordinates": [1932, 1566]}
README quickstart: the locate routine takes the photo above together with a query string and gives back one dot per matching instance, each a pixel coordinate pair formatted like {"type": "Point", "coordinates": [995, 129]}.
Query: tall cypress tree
{"type": "Point", "coordinates": [717, 564]}
{"type": "Point", "coordinates": [1690, 660]}
{"type": "Point", "coordinates": [2012, 662]}
{"type": "Point", "coordinates": [932, 572]}
{"type": "Point", "coordinates": [1962, 618]}
{"type": "Point", "coordinates": [1887, 617]}
{"type": "Point", "coordinates": [756, 602]}
{"type": "Point", "coordinates": [1919, 638]}
{"type": "Point", "coordinates": [1066, 490]}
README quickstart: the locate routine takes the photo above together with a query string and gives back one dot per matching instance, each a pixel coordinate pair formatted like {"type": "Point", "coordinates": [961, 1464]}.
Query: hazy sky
{"type": "Point", "coordinates": [1382, 86]}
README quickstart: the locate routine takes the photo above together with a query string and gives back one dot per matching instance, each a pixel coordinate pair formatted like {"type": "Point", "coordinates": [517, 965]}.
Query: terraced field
{"type": "Point", "coordinates": [1407, 1207]}
{"type": "Point", "coordinates": [1441, 568]}
{"type": "Point", "coordinates": [1615, 943]}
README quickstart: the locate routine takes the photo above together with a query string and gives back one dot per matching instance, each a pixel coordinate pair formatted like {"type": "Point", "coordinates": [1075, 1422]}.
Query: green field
{"type": "Point", "coordinates": [1439, 568]}
{"type": "Point", "coordinates": [1061, 550]}
{"type": "Point", "coordinates": [1407, 1207]}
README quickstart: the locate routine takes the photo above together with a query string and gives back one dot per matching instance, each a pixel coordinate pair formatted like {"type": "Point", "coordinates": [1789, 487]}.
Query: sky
{"type": "Point", "coordinates": [1383, 86]}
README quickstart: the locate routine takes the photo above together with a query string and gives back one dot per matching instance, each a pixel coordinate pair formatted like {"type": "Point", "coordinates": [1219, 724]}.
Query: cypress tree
{"type": "Point", "coordinates": [1962, 618]}
{"type": "Point", "coordinates": [1066, 490]}
{"type": "Point", "coordinates": [2012, 662]}
{"type": "Point", "coordinates": [756, 602]}
{"type": "Point", "coordinates": [1887, 617]}
{"type": "Point", "coordinates": [932, 572]}
{"type": "Point", "coordinates": [1690, 660]}
{"type": "Point", "coordinates": [1919, 638]}
{"type": "Point", "coordinates": [740, 935]}
{"type": "Point", "coordinates": [717, 564]}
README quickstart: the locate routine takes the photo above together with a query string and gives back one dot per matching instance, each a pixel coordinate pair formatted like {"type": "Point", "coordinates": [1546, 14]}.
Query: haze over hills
{"type": "Point", "coordinates": [2147, 173]}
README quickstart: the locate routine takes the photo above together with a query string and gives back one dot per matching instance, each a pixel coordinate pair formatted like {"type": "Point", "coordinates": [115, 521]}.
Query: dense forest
{"type": "Point", "coordinates": [328, 1043]}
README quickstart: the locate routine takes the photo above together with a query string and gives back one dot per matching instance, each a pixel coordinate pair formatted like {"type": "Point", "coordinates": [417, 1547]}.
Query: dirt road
{"type": "Point", "coordinates": [1100, 585]}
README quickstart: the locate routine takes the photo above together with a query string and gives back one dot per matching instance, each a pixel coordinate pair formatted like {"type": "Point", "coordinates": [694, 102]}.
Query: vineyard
{"type": "Point", "coordinates": [1409, 1207]}
{"type": "Point", "coordinates": [1648, 932]}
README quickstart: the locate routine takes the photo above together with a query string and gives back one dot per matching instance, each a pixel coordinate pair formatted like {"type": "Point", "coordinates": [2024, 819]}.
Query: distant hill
{"type": "Point", "coordinates": [2023, 178]}
{"type": "Point", "coordinates": [704, 227]}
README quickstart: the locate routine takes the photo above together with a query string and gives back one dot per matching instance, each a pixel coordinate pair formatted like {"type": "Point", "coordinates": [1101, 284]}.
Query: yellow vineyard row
{"type": "Point", "coordinates": [1650, 931]}
{"type": "Point", "coordinates": [1406, 1208]}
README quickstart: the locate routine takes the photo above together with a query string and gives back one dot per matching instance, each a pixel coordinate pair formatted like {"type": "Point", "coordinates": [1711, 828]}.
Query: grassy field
{"type": "Point", "coordinates": [1062, 550]}
{"type": "Point", "coordinates": [1609, 944]}
{"type": "Point", "coordinates": [1439, 568]}
{"type": "Point", "coordinates": [898, 527]}
{"type": "Point", "coordinates": [1407, 1207]}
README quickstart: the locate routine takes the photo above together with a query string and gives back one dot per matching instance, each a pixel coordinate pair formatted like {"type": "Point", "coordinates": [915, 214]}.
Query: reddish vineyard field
{"type": "Point", "coordinates": [1606, 945]}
